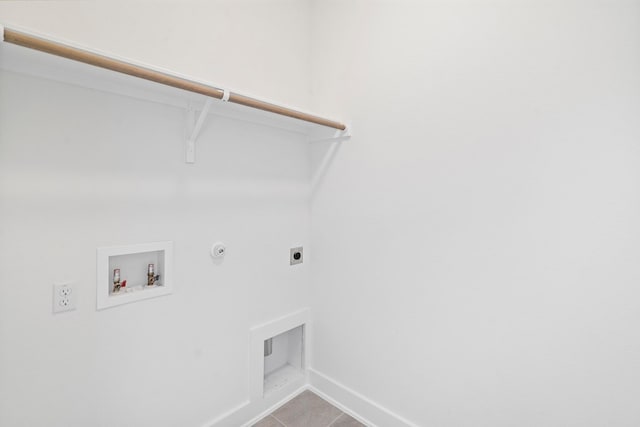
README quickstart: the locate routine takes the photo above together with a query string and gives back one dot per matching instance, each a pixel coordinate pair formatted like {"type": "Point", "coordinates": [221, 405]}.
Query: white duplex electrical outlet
{"type": "Point", "coordinates": [64, 297]}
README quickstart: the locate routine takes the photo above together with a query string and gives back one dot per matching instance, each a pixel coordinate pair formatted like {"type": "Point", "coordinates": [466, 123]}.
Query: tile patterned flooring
{"type": "Point", "coordinates": [308, 410]}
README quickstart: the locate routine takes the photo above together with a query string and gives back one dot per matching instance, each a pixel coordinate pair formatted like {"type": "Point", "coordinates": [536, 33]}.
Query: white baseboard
{"type": "Point", "coordinates": [235, 416]}
{"type": "Point", "coordinates": [355, 404]}
{"type": "Point", "coordinates": [254, 412]}
{"type": "Point", "coordinates": [342, 397]}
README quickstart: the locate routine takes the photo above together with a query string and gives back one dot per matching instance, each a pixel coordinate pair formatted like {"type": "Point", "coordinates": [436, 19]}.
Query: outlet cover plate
{"type": "Point", "coordinates": [64, 297]}
{"type": "Point", "coordinates": [296, 255]}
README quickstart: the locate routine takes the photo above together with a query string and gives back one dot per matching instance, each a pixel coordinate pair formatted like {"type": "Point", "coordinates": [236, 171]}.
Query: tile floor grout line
{"type": "Point", "coordinates": [278, 419]}
{"type": "Point", "coordinates": [334, 421]}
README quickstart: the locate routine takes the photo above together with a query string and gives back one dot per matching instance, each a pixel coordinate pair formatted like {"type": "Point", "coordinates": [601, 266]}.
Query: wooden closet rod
{"type": "Point", "coordinates": [73, 53]}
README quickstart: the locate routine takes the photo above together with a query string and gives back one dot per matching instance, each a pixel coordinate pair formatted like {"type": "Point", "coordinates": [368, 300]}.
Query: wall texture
{"type": "Point", "coordinates": [476, 243]}
{"type": "Point", "coordinates": [81, 169]}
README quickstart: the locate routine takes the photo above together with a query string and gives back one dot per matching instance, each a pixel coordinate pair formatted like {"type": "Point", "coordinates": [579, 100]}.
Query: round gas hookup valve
{"type": "Point", "coordinates": [218, 250]}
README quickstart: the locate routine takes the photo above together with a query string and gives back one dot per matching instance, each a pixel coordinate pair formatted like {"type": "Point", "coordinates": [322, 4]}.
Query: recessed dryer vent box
{"type": "Point", "coordinates": [278, 357]}
{"type": "Point", "coordinates": [133, 261]}
{"type": "Point", "coordinates": [283, 364]}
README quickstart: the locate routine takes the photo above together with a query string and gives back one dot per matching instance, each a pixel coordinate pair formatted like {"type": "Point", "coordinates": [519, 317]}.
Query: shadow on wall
{"type": "Point", "coordinates": [323, 151]}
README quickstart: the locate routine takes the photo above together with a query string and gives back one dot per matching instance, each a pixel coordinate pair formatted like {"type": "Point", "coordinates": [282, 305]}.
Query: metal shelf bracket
{"type": "Point", "coordinates": [338, 136]}
{"type": "Point", "coordinates": [194, 130]}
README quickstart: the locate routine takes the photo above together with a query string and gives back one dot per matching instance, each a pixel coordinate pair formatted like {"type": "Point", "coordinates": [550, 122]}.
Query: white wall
{"type": "Point", "coordinates": [256, 47]}
{"type": "Point", "coordinates": [476, 243]}
{"type": "Point", "coordinates": [81, 169]}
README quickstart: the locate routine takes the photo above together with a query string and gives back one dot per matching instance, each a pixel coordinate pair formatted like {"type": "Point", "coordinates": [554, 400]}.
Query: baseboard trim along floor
{"type": "Point", "coordinates": [342, 397]}
{"type": "Point", "coordinates": [355, 404]}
